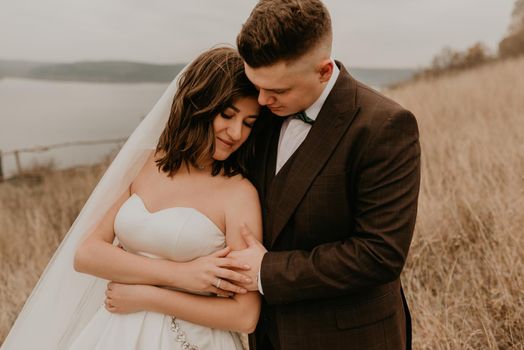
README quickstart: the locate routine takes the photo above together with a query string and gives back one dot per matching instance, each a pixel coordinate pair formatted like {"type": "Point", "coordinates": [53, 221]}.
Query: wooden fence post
{"type": "Point", "coordinates": [1, 169]}
{"type": "Point", "coordinates": [18, 164]}
{"type": "Point", "coordinates": [16, 153]}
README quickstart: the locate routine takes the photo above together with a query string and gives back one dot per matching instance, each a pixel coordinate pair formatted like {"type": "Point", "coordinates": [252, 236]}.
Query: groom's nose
{"type": "Point", "coordinates": [264, 98]}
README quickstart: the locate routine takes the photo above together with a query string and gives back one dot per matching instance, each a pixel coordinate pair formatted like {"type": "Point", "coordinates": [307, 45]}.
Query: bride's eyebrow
{"type": "Point", "coordinates": [233, 107]}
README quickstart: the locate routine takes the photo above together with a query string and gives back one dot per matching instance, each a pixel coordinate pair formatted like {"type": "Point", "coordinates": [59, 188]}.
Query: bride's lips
{"type": "Point", "coordinates": [227, 143]}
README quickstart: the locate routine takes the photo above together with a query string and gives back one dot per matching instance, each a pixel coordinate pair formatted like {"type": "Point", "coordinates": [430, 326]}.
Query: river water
{"type": "Point", "coordinates": [42, 113]}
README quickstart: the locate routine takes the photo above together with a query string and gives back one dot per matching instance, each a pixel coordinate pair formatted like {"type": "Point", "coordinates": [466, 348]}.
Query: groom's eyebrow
{"type": "Point", "coordinates": [278, 90]}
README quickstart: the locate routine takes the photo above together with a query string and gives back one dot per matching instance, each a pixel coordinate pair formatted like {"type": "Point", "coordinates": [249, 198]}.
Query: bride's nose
{"type": "Point", "coordinates": [234, 130]}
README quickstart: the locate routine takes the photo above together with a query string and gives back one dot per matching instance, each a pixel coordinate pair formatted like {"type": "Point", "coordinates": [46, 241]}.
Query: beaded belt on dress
{"type": "Point", "coordinates": [181, 335]}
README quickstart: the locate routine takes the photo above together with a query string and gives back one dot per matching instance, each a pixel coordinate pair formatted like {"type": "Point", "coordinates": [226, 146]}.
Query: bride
{"type": "Point", "coordinates": [159, 225]}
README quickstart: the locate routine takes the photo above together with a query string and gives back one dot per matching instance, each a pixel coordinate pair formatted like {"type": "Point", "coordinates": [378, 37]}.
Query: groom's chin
{"type": "Point", "coordinates": [279, 112]}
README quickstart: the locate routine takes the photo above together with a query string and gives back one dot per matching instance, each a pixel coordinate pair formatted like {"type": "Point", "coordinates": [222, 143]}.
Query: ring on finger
{"type": "Point", "coordinates": [217, 284]}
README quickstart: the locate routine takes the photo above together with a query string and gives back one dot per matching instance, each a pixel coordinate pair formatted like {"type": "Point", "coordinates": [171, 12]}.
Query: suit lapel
{"type": "Point", "coordinates": [271, 159]}
{"type": "Point", "coordinates": [336, 115]}
{"type": "Point", "coordinates": [263, 150]}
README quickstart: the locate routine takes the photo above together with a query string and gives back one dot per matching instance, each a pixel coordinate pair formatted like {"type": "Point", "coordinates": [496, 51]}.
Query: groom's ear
{"type": "Point", "coordinates": [325, 70]}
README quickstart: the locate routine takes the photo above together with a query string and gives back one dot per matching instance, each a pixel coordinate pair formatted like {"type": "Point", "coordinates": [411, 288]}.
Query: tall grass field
{"type": "Point", "coordinates": [464, 278]}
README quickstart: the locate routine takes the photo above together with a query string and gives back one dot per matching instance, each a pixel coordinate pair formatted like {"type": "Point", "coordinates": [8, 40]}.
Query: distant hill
{"type": "Point", "coordinates": [100, 71]}
{"type": "Point", "coordinates": [381, 77]}
{"type": "Point", "coordinates": [135, 72]}
{"type": "Point", "coordinates": [10, 68]}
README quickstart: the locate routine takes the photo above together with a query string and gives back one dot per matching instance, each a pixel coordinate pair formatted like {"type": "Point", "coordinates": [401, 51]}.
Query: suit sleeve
{"type": "Point", "coordinates": [385, 206]}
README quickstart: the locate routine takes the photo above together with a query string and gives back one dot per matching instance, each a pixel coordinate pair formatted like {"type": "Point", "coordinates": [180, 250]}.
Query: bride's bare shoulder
{"type": "Point", "coordinates": [240, 188]}
{"type": "Point", "coordinates": [241, 207]}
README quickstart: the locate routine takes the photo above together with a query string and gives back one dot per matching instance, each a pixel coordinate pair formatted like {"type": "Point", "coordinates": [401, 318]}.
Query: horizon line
{"type": "Point", "coordinates": [179, 63]}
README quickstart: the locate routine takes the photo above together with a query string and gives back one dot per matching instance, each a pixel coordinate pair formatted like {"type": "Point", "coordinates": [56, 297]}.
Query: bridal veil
{"type": "Point", "coordinates": [63, 300]}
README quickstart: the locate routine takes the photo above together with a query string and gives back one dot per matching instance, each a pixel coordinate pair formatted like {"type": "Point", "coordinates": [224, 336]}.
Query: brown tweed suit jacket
{"type": "Point", "coordinates": [338, 223]}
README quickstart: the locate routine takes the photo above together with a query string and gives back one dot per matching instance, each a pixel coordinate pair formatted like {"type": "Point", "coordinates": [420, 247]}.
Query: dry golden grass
{"type": "Point", "coordinates": [464, 277]}
{"type": "Point", "coordinates": [35, 213]}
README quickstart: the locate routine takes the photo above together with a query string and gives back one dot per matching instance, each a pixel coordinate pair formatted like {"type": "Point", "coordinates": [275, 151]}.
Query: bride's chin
{"type": "Point", "coordinates": [220, 157]}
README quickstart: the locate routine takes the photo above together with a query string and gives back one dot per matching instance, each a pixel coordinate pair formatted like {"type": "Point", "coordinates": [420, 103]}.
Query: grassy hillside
{"type": "Point", "coordinates": [464, 277]}
{"type": "Point", "coordinates": [382, 77]}
{"type": "Point", "coordinates": [465, 274]}
{"type": "Point", "coordinates": [35, 214]}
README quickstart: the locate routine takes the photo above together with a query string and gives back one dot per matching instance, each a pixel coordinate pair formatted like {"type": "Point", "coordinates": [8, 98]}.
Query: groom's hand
{"type": "Point", "coordinates": [214, 273]}
{"type": "Point", "coordinates": [252, 256]}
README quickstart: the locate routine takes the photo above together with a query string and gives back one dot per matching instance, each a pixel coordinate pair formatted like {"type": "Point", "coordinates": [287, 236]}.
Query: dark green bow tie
{"type": "Point", "coordinates": [303, 116]}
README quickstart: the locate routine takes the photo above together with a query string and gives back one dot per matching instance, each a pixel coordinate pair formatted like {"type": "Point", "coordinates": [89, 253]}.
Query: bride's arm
{"type": "Point", "coordinates": [99, 257]}
{"type": "Point", "coordinates": [239, 313]}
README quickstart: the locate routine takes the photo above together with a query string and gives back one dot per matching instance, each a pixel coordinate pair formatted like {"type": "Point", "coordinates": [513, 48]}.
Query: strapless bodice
{"type": "Point", "coordinates": [177, 233]}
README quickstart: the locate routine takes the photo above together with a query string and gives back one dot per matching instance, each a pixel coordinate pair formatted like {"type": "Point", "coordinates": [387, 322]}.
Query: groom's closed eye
{"type": "Point", "coordinates": [274, 91]}
{"type": "Point", "coordinates": [279, 91]}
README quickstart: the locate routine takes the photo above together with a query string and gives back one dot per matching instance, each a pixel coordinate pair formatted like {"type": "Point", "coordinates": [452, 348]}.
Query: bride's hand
{"type": "Point", "coordinates": [214, 273]}
{"type": "Point", "coordinates": [126, 298]}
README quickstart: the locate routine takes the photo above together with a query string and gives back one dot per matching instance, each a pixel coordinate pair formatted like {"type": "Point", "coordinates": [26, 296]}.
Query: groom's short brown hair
{"type": "Point", "coordinates": [282, 30]}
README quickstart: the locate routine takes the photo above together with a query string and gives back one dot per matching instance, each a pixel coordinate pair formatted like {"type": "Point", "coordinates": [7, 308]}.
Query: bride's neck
{"type": "Point", "coordinates": [204, 168]}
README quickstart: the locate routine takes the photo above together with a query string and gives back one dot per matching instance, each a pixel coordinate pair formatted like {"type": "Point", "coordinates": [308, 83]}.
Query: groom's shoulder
{"type": "Point", "coordinates": [368, 96]}
{"type": "Point", "coordinates": [367, 99]}
{"type": "Point", "coordinates": [375, 108]}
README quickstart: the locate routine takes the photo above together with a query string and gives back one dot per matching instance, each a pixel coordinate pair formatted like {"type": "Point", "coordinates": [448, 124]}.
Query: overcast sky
{"type": "Point", "coordinates": [374, 33]}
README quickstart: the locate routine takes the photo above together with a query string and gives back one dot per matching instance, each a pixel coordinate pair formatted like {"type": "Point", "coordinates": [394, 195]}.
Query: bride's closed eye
{"type": "Point", "coordinates": [246, 123]}
{"type": "Point", "coordinates": [249, 125]}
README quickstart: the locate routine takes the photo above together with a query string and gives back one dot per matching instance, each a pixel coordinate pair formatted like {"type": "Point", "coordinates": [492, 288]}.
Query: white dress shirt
{"type": "Point", "coordinates": [294, 131]}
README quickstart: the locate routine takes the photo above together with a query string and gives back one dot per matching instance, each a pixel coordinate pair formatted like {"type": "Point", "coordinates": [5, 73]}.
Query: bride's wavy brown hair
{"type": "Point", "coordinates": [212, 83]}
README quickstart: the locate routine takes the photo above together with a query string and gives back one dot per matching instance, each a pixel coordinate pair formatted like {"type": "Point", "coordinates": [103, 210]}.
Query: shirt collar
{"type": "Point", "coordinates": [313, 110]}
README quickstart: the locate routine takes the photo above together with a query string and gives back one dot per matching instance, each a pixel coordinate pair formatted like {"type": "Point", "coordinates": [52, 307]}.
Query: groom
{"type": "Point", "coordinates": [338, 172]}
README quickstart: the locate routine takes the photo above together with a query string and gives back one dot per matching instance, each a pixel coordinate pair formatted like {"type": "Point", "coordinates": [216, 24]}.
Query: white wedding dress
{"type": "Point", "coordinates": [179, 234]}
